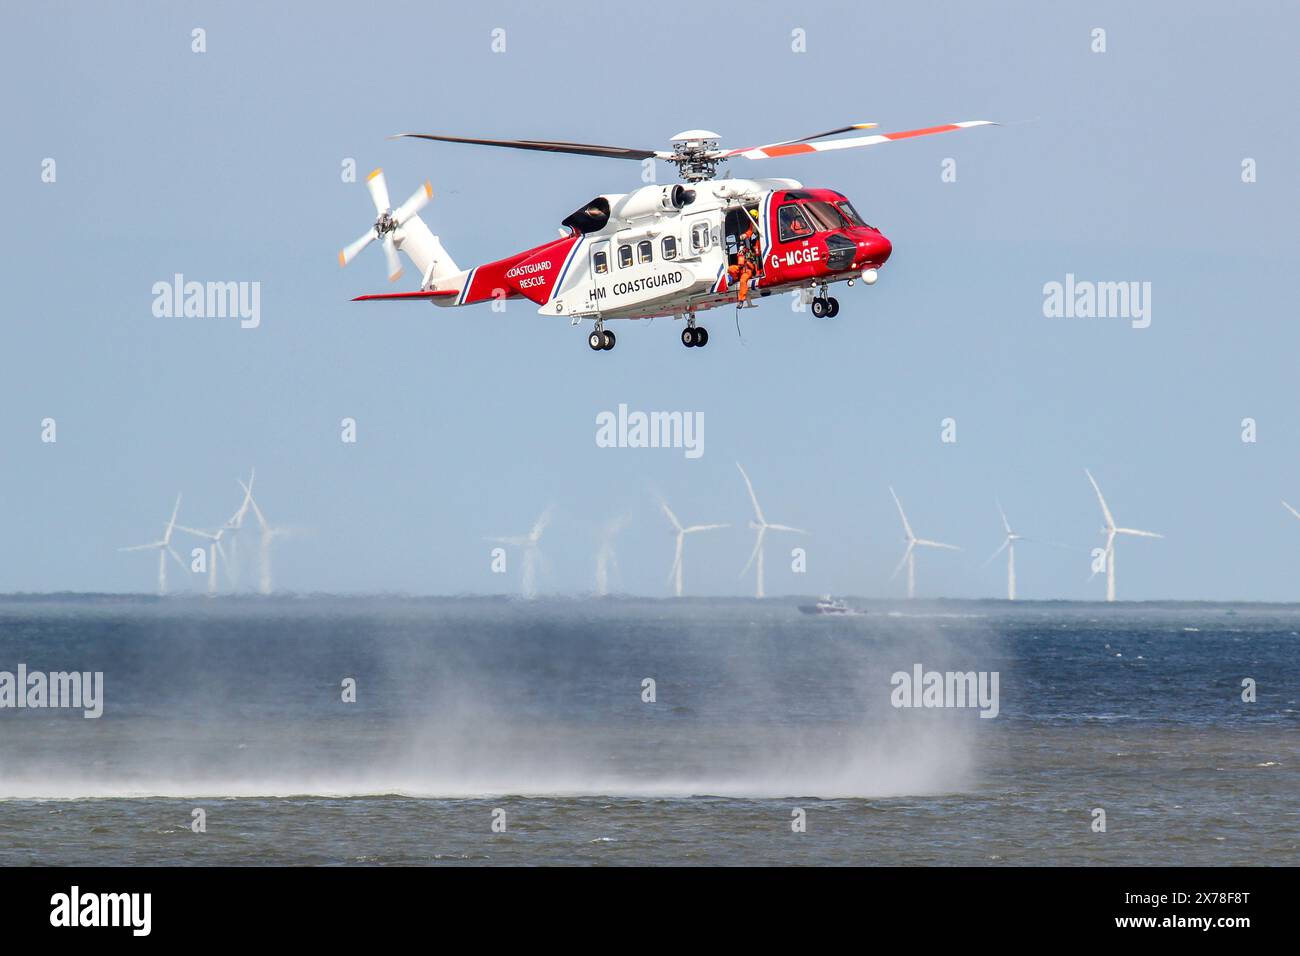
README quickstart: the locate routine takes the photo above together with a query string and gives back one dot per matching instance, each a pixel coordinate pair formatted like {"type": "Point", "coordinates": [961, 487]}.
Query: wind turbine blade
{"type": "Point", "coordinates": [758, 545]}
{"type": "Point", "coordinates": [671, 517]}
{"type": "Point", "coordinates": [902, 562]}
{"type": "Point", "coordinates": [1005, 542]}
{"type": "Point", "coordinates": [702, 527]}
{"type": "Point", "coordinates": [143, 547]}
{"type": "Point", "coordinates": [937, 544]}
{"type": "Point", "coordinates": [177, 558]}
{"type": "Point", "coordinates": [1110, 521]}
{"type": "Point", "coordinates": [786, 527]}
{"type": "Point", "coordinates": [539, 526]}
{"type": "Point", "coordinates": [197, 532]}
{"type": "Point", "coordinates": [907, 528]}
{"type": "Point", "coordinates": [758, 512]}
{"type": "Point", "coordinates": [1005, 523]}
{"type": "Point", "coordinates": [1138, 534]}
{"type": "Point", "coordinates": [1290, 509]}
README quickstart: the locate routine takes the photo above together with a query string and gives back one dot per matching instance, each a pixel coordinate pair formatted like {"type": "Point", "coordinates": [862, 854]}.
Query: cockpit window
{"type": "Point", "coordinates": [850, 213]}
{"type": "Point", "coordinates": [792, 223]}
{"type": "Point", "coordinates": [826, 216]}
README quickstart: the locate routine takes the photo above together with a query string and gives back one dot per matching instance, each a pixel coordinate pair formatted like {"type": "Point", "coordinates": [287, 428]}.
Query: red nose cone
{"type": "Point", "coordinates": [881, 250]}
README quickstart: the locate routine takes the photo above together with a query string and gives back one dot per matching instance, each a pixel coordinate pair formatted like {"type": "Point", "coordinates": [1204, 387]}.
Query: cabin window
{"type": "Point", "coordinates": [668, 247]}
{"type": "Point", "coordinates": [645, 251]}
{"type": "Point", "coordinates": [624, 257]}
{"type": "Point", "coordinates": [600, 262]}
{"type": "Point", "coordinates": [793, 223]}
{"type": "Point", "coordinates": [700, 236]}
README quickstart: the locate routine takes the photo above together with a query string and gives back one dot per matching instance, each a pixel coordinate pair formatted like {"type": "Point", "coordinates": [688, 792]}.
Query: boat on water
{"type": "Point", "coordinates": [830, 607]}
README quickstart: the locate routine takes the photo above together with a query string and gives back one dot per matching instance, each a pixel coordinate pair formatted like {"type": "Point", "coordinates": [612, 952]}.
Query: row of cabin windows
{"type": "Point", "coordinates": [644, 254]}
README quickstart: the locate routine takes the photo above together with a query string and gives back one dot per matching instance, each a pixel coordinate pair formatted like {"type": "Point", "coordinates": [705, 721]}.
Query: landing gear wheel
{"type": "Point", "coordinates": [596, 340]}
{"type": "Point", "coordinates": [701, 336]}
{"type": "Point", "coordinates": [820, 307]}
{"type": "Point", "coordinates": [833, 308]}
{"type": "Point", "coordinates": [609, 340]}
{"type": "Point", "coordinates": [688, 337]}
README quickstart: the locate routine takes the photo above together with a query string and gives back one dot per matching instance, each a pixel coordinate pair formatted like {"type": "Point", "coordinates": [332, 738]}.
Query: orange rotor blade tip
{"type": "Point", "coordinates": [374, 174]}
{"type": "Point", "coordinates": [342, 261]}
{"type": "Point", "coordinates": [428, 189]}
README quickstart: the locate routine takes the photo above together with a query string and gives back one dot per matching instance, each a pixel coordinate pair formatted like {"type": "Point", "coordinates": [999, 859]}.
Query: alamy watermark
{"type": "Point", "coordinates": [922, 688]}
{"type": "Point", "coordinates": [1085, 299]}
{"type": "Point", "coordinates": [208, 300]}
{"type": "Point", "coordinates": [626, 429]}
{"type": "Point", "coordinates": [62, 689]}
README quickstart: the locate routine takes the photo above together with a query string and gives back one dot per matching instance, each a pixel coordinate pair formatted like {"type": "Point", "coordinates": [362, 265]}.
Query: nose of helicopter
{"type": "Point", "coordinates": [874, 249]}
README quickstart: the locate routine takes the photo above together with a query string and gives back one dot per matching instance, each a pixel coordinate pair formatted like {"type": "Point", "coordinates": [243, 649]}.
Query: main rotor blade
{"type": "Point", "coordinates": [785, 527]}
{"type": "Point", "coordinates": [703, 527]}
{"type": "Point", "coordinates": [758, 545]}
{"type": "Point", "coordinates": [803, 139]}
{"type": "Point", "coordinates": [545, 146]}
{"type": "Point", "coordinates": [1290, 509]}
{"type": "Point", "coordinates": [1139, 534]}
{"type": "Point", "coordinates": [853, 142]}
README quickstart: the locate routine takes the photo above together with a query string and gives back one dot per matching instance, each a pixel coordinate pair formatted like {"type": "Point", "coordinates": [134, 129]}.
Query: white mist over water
{"type": "Point", "coordinates": [497, 703]}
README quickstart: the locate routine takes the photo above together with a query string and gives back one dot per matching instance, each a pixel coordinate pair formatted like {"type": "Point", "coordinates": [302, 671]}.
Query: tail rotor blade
{"type": "Point", "coordinates": [378, 191]}
{"type": "Point", "coordinates": [394, 263]}
{"type": "Point", "coordinates": [353, 249]}
{"type": "Point", "coordinates": [418, 201]}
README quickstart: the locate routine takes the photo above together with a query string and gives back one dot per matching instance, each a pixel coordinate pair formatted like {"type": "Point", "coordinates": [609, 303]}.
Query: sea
{"type": "Point", "coordinates": [334, 731]}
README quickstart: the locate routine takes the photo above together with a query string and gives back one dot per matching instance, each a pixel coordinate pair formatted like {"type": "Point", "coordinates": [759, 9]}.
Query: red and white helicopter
{"type": "Point", "coordinates": [659, 250]}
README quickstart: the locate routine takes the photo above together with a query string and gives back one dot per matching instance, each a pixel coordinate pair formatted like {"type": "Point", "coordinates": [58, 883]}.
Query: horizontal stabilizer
{"type": "Point", "coordinates": [429, 294]}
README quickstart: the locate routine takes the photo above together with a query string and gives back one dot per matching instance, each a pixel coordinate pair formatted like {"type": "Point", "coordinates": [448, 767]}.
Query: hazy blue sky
{"type": "Point", "coordinates": [226, 166]}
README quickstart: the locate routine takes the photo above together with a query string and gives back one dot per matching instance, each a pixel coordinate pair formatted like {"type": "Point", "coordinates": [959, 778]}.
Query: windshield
{"type": "Point", "coordinates": [851, 214]}
{"type": "Point", "coordinates": [825, 216]}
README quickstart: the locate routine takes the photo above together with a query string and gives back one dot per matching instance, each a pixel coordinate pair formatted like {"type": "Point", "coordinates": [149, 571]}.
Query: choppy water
{"type": "Point", "coordinates": [468, 706]}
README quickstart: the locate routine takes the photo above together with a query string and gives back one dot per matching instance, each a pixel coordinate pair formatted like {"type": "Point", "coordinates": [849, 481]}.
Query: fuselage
{"type": "Point", "coordinates": [676, 250]}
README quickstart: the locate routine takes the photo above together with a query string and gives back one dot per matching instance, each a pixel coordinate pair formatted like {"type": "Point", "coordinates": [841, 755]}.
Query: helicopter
{"type": "Point", "coordinates": [661, 250]}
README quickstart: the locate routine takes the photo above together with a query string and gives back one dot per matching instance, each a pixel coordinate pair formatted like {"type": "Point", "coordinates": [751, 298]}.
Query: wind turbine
{"type": "Point", "coordinates": [1111, 531]}
{"type": "Point", "coordinates": [1290, 509]}
{"type": "Point", "coordinates": [676, 573]}
{"type": "Point", "coordinates": [267, 534]}
{"type": "Point", "coordinates": [235, 522]}
{"type": "Point", "coordinates": [909, 555]}
{"type": "Point", "coordinates": [527, 545]}
{"type": "Point", "coordinates": [762, 526]}
{"type": "Point", "coordinates": [606, 559]}
{"type": "Point", "coordinates": [164, 547]}
{"type": "Point", "coordinates": [214, 549]}
{"type": "Point", "coordinates": [1008, 545]}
